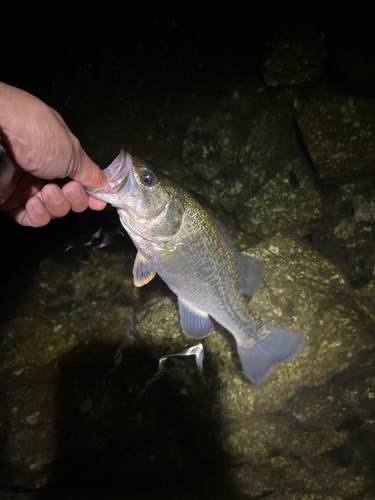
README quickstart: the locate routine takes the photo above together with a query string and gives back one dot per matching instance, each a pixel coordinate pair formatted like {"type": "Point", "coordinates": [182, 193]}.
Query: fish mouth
{"type": "Point", "coordinates": [119, 181]}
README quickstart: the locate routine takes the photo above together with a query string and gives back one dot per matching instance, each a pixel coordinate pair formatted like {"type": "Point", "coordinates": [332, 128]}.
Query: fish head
{"type": "Point", "coordinates": [146, 200]}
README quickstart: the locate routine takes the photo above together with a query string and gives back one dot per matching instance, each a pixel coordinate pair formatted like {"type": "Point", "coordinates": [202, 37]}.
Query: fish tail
{"type": "Point", "coordinates": [279, 346]}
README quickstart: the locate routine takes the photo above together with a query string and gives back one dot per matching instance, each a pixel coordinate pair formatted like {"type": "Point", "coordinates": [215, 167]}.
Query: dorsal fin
{"type": "Point", "coordinates": [251, 268]}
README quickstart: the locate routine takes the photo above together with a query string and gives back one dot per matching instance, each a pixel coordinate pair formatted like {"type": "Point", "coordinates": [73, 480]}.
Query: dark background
{"type": "Point", "coordinates": [214, 43]}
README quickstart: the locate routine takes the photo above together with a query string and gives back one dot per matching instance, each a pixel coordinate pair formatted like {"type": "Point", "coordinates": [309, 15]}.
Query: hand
{"type": "Point", "coordinates": [39, 147]}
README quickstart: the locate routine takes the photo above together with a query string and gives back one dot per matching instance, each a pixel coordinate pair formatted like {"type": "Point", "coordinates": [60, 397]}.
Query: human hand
{"type": "Point", "coordinates": [39, 147]}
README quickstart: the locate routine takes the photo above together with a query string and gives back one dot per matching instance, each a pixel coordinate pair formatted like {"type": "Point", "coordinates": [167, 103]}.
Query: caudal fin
{"type": "Point", "coordinates": [280, 346]}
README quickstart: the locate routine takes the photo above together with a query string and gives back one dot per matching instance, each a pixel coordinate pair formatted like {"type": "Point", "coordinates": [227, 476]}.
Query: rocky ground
{"type": "Point", "coordinates": [284, 155]}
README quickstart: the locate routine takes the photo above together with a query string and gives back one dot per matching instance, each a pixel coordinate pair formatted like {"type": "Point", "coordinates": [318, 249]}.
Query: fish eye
{"type": "Point", "coordinates": [148, 178]}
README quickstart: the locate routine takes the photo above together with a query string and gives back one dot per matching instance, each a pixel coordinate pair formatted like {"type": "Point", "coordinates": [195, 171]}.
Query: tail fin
{"type": "Point", "coordinates": [280, 346]}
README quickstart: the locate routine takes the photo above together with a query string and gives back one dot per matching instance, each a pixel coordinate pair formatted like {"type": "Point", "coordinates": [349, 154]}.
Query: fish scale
{"type": "Point", "coordinates": [219, 294]}
{"type": "Point", "coordinates": [196, 257]}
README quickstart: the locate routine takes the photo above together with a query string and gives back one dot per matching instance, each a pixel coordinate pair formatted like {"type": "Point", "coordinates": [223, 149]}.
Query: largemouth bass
{"type": "Point", "coordinates": [196, 257]}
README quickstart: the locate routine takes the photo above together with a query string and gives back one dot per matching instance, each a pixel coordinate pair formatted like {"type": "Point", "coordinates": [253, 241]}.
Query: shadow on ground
{"type": "Point", "coordinates": [115, 441]}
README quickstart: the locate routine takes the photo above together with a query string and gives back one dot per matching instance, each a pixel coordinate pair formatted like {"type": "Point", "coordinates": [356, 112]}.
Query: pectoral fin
{"type": "Point", "coordinates": [195, 324]}
{"type": "Point", "coordinates": [142, 271]}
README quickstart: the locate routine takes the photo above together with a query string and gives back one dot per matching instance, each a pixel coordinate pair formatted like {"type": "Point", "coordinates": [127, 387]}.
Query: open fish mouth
{"type": "Point", "coordinates": [119, 181]}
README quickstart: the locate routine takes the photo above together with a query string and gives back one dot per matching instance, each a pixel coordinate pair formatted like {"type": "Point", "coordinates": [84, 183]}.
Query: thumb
{"type": "Point", "coordinates": [85, 171]}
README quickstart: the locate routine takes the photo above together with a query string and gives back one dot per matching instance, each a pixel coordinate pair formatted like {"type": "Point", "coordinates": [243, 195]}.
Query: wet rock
{"type": "Point", "coordinates": [66, 307]}
{"type": "Point", "coordinates": [347, 191]}
{"type": "Point", "coordinates": [285, 428]}
{"type": "Point", "coordinates": [80, 408]}
{"type": "Point", "coordinates": [294, 56]}
{"type": "Point", "coordinates": [354, 260]}
{"type": "Point", "coordinates": [363, 200]}
{"type": "Point", "coordinates": [301, 285]}
{"type": "Point", "coordinates": [364, 208]}
{"type": "Point", "coordinates": [248, 139]}
{"type": "Point", "coordinates": [302, 291]}
{"type": "Point", "coordinates": [347, 241]}
{"type": "Point", "coordinates": [207, 172]}
{"type": "Point", "coordinates": [265, 425]}
{"type": "Point", "coordinates": [339, 133]}
{"type": "Point", "coordinates": [269, 145]}
{"type": "Point", "coordinates": [369, 290]}
{"type": "Point", "coordinates": [367, 294]}
{"type": "Point", "coordinates": [211, 140]}
{"type": "Point", "coordinates": [290, 200]}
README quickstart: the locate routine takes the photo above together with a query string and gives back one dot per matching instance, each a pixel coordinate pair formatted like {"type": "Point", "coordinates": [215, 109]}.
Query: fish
{"type": "Point", "coordinates": [194, 254]}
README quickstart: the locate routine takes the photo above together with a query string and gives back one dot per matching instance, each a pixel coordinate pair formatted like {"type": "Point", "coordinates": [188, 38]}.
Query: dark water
{"type": "Point", "coordinates": [135, 76]}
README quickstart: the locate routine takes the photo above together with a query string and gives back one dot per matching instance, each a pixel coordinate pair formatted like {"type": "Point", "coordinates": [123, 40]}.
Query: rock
{"type": "Point", "coordinates": [312, 410]}
{"type": "Point", "coordinates": [364, 208]}
{"type": "Point", "coordinates": [81, 411]}
{"type": "Point", "coordinates": [248, 140]}
{"type": "Point", "coordinates": [212, 140]}
{"type": "Point", "coordinates": [268, 146]}
{"type": "Point", "coordinates": [347, 238]}
{"type": "Point", "coordinates": [369, 291]}
{"type": "Point", "coordinates": [339, 133]}
{"type": "Point", "coordinates": [290, 200]}
{"type": "Point", "coordinates": [207, 172]}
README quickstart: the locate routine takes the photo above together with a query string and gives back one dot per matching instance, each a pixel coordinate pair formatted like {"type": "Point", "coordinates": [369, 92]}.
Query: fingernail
{"type": "Point", "coordinates": [75, 195]}
{"type": "Point", "coordinates": [55, 196]}
{"type": "Point", "coordinates": [37, 205]}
